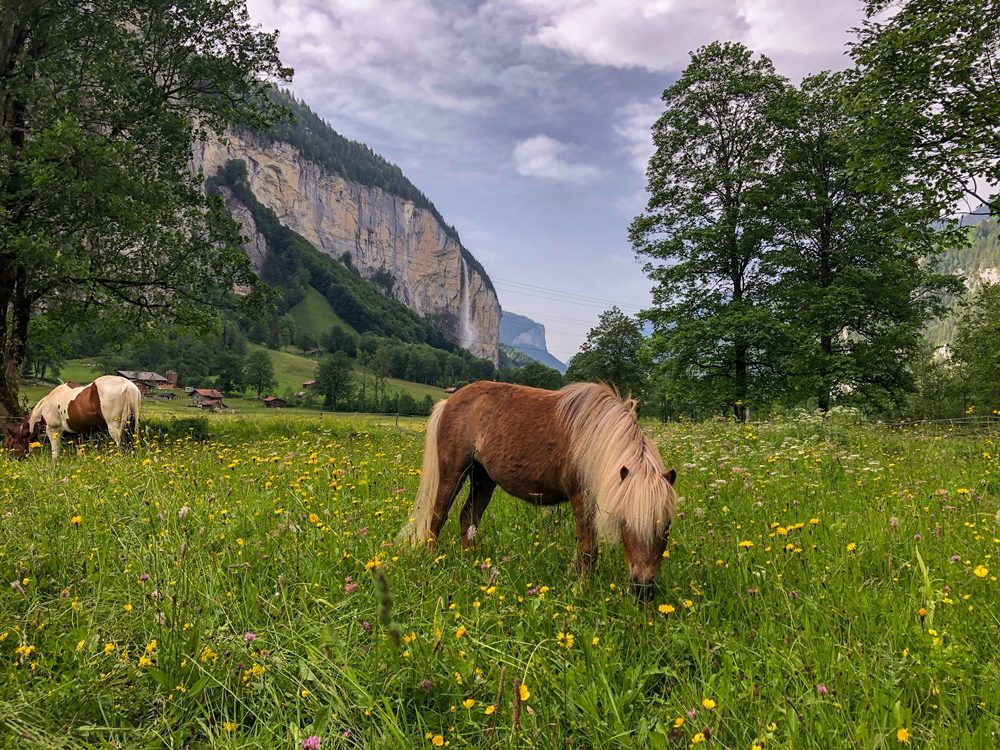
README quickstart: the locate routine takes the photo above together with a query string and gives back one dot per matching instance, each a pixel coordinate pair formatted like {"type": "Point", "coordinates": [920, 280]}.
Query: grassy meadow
{"type": "Point", "coordinates": [829, 584]}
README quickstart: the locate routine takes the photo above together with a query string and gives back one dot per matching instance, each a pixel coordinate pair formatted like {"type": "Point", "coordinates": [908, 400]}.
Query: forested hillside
{"type": "Point", "coordinates": [977, 263]}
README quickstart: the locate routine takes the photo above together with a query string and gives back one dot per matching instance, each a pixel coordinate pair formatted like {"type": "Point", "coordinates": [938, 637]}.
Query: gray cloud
{"type": "Point", "coordinates": [541, 156]}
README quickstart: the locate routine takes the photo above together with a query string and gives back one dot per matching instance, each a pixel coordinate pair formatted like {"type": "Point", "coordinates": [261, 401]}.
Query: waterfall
{"type": "Point", "coordinates": [466, 332]}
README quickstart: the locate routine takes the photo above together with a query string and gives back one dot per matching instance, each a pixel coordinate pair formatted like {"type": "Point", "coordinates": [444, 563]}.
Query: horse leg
{"type": "Point", "coordinates": [54, 440]}
{"type": "Point", "coordinates": [585, 559]}
{"type": "Point", "coordinates": [481, 487]}
{"type": "Point", "coordinates": [452, 473]}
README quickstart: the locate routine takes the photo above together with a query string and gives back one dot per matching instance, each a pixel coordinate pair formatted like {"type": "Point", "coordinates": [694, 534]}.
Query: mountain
{"type": "Point", "coordinates": [355, 207]}
{"type": "Point", "coordinates": [528, 337]}
{"type": "Point", "coordinates": [977, 263]}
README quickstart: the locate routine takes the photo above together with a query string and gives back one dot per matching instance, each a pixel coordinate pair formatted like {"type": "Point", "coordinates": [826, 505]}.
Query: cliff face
{"type": "Point", "coordinates": [382, 232]}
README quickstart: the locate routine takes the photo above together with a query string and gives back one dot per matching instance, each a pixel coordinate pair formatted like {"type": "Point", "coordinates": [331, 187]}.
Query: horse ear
{"type": "Point", "coordinates": [671, 477]}
{"type": "Point", "coordinates": [624, 472]}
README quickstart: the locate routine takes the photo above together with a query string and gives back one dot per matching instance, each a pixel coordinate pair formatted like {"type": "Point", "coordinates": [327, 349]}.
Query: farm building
{"type": "Point", "coordinates": [309, 385]}
{"type": "Point", "coordinates": [147, 381]}
{"type": "Point", "coordinates": [213, 405]}
{"type": "Point", "coordinates": [271, 402]}
{"type": "Point", "coordinates": [316, 353]}
{"type": "Point", "coordinates": [199, 395]}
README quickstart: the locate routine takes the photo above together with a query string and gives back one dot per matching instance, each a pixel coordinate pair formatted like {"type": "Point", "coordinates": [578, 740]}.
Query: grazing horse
{"type": "Point", "coordinates": [580, 444]}
{"type": "Point", "coordinates": [109, 403]}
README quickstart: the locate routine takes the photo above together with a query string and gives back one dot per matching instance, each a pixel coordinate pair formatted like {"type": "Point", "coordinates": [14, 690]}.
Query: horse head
{"type": "Point", "coordinates": [19, 438]}
{"type": "Point", "coordinates": [644, 535]}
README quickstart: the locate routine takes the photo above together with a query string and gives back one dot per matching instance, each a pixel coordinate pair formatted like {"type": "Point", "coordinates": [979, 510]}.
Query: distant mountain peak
{"type": "Point", "coordinates": [528, 337]}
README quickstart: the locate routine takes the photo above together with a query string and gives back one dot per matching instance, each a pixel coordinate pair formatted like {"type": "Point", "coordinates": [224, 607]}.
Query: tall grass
{"type": "Point", "coordinates": [829, 584]}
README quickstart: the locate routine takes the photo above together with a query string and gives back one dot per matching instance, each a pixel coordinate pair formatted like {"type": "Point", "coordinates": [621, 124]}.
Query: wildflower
{"type": "Point", "coordinates": [751, 592]}
{"type": "Point", "coordinates": [310, 743]}
{"type": "Point", "coordinates": [852, 546]}
{"type": "Point", "coordinates": [894, 522]}
{"type": "Point", "coordinates": [437, 740]}
{"type": "Point", "coordinates": [128, 607]}
{"type": "Point", "coordinates": [595, 641]}
{"type": "Point", "coordinates": [460, 633]}
{"type": "Point", "coordinates": [981, 571]}
{"type": "Point", "coordinates": [109, 648]}
{"type": "Point", "coordinates": [922, 612]}
{"type": "Point", "coordinates": [917, 537]}
{"type": "Point", "coordinates": [183, 511]}
{"type": "Point", "coordinates": [688, 603]}
{"type": "Point", "coordinates": [679, 722]}
{"type": "Point", "coordinates": [228, 726]}
{"type": "Point", "coordinates": [524, 693]}
{"type": "Point", "coordinates": [468, 703]}
{"type": "Point", "coordinates": [566, 639]}
{"type": "Point", "coordinates": [813, 521]}
{"type": "Point", "coordinates": [79, 646]}
{"type": "Point", "coordinates": [692, 713]}
{"type": "Point", "coordinates": [708, 703]}
{"type": "Point", "coordinates": [746, 543]}
{"type": "Point", "coordinates": [350, 587]}
{"type": "Point", "coordinates": [956, 558]}
{"type": "Point", "coordinates": [490, 709]}
{"type": "Point", "coordinates": [367, 626]}
{"type": "Point", "coordinates": [76, 520]}
{"type": "Point", "coordinates": [250, 637]}
{"type": "Point", "coordinates": [903, 736]}
{"type": "Point", "coordinates": [427, 685]}
{"type": "Point", "coordinates": [821, 690]}
{"type": "Point", "coordinates": [666, 609]}
{"type": "Point", "coordinates": [700, 737]}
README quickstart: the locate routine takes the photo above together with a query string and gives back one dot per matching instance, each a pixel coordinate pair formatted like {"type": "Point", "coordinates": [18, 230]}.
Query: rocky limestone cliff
{"type": "Point", "coordinates": [528, 337]}
{"type": "Point", "coordinates": [382, 232]}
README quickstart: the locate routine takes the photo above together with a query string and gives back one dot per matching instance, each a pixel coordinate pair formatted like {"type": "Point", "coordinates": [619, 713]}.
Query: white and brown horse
{"type": "Point", "coordinates": [580, 444]}
{"type": "Point", "coordinates": [109, 403]}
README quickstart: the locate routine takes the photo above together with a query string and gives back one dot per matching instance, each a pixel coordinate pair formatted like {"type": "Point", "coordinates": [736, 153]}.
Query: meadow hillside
{"type": "Point", "coordinates": [828, 584]}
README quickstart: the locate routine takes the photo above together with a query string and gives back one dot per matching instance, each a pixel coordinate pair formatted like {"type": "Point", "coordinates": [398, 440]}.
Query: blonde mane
{"type": "Point", "coordinates": [605, 436]}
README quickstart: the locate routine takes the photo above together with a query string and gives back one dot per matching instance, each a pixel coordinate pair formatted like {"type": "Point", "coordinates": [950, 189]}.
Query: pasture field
{"type": "Point", "coordinates": [829, 584]}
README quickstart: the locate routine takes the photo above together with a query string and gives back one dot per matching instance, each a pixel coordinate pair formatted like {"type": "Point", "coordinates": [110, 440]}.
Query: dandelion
{"type": "Point", "coordinates": [76, 520]}
{"type": "Point", "coordinates": [666, 609]}
{"type": "Point", "coordinates": [228, 726]}
{"type": "Point", "coordinates": [708, 703]}
{"type": "Point", "coordinates": [903, 736]}
{"type": "Point", "coordinates": [566, 639]}
{"type": "Point", "coordinates": [460, 633]}
{"type": "Point", "coordinates": [688, 604]}
{"type": "Point", "coordinates": [746, 543]}
{"type": "Point", "coordinates": [852, 546]}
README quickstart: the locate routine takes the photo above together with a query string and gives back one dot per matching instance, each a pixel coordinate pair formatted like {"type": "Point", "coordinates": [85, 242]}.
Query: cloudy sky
{"type": "Point", "coordinates": [527, 122]}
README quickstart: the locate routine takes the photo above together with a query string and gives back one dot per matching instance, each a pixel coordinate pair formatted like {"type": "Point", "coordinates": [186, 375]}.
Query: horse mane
{"type": "Point", "coordinates": [604, 436]}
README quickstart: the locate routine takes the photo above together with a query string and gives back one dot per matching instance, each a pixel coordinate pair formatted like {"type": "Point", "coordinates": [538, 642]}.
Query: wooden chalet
{"type": "Point", "coordinates": [199, 395]}
{"type": "Point", "coordinates": [272, 402]}
{"type": "Point", "coordinates": [147, 382]}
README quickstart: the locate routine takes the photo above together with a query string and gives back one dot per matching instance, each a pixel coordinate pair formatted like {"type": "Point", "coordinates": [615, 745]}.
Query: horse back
{"type": "Point", "coordinates": [84, 413]}
{"type": "Point", "coordinates": [515, 433]}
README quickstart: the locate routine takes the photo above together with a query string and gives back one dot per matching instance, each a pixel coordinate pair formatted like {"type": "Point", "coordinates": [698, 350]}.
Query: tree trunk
{"type": "Point", "coordinates": [14, 317]}
{"type": "Point", "coordinates": [826, 344]}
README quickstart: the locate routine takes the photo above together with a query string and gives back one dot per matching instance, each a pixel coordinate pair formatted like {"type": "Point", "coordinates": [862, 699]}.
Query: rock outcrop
{"type": "Point", "coordinates": [528, 337]}
{"type": "Point", "coordinates": [380, 231]}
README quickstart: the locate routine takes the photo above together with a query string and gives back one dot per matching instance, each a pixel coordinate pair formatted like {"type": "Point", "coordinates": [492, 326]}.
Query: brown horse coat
{"type": "Point", "coordinates": [580, 445]}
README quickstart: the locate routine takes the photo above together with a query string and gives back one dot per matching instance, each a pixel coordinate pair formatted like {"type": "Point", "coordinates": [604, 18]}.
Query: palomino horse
{"type": "Point", "coordinates": [109, 403]}
{"type": "Point", "coordinates": [580, 444]}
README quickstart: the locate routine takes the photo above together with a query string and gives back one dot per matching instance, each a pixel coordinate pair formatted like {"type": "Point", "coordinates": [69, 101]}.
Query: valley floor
{"type": "Point", "coordinates": [828, 585]}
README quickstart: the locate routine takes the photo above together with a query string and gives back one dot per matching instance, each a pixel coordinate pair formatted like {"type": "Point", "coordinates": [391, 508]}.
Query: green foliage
{"type": "Point", "coordinates": [613, 354]}
{"type": "Point", "coordinates": [851, 258]}
{"type": "Point", "coordinates": [705, 227]}
{"type": "Point", "coordinates": [176, 428]}
{"type": "Point", "coordinates": [535, 375]}
{"type": "Point", "coordinates": [335, 380]}
{"type": "Point", "coordinates": [977, 348]}
{"type": "Point", "coordinates": [99, 212]}
{"type": "Point", "coordinates": [259, 372]}
{"type": "Point", "coordinates": [928, 91]}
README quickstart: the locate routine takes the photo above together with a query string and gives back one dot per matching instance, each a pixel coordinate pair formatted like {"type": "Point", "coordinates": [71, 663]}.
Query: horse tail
{"type": "Point", "coordinates": [418, 530]}
{"type": "Point", "coordinates": [130, 418]}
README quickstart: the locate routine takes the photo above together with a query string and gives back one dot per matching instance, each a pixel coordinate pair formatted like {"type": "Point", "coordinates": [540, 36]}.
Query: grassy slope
{"type": "Point", "coordinates": [290, 370]}
{"type": "Point", "coordinates": [826, 590]}
{"type": "Point", "coordinates": [314, 315]}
